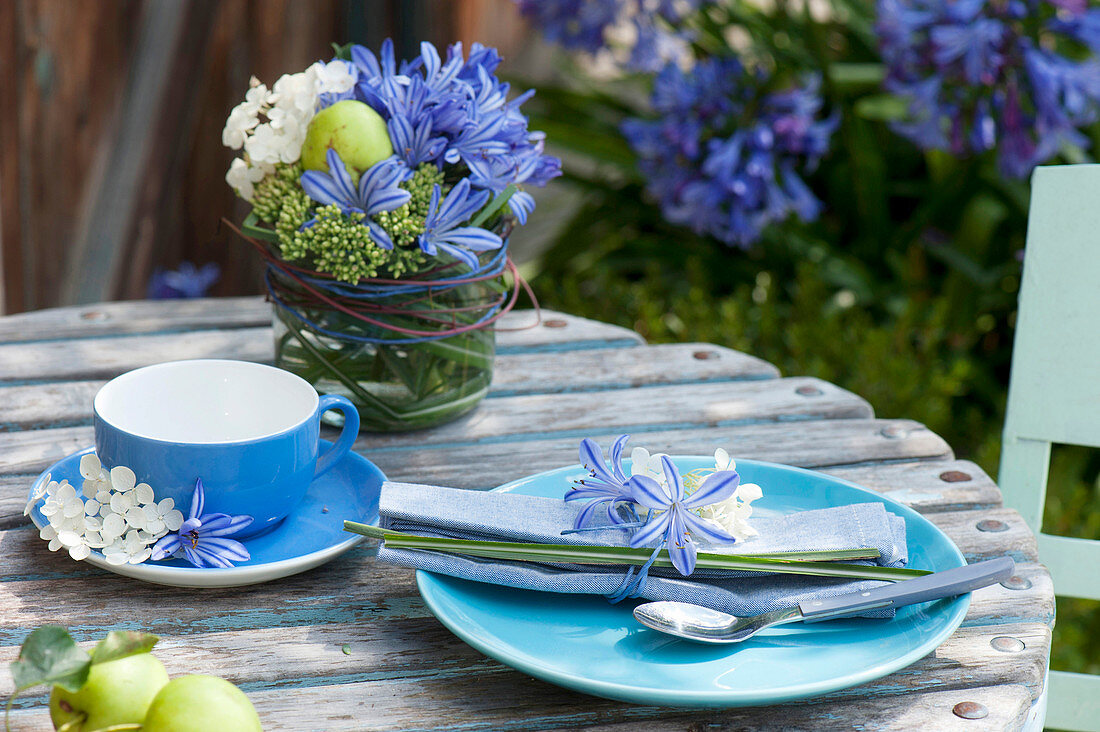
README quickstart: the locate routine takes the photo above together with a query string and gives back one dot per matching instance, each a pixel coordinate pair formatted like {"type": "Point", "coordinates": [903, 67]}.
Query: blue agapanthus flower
{"type": "Point", "coordinates": [444, 230]}
{"type": "Point", "coordinates": [1018, 76]}
{"type": "Point", "coordinates": [454, 112]}
{"type": "Point", "coordinates": [605, 485]}
{"type": "Point", "coordinates": [203, 539]}
{"type": "Point", "coordinates": [730, 185]}
{"type": "Point", "coordinates": [585, 25]}
{"type": "Point", "coordinates": [186, 282]}
{"type": "Point", "coordinates": [671, 521]}
{"type": "Point", "coordinates": [377, 191]}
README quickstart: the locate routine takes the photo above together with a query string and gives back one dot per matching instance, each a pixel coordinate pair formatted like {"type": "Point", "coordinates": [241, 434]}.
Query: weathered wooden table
{"type": "Point", "coordinates": [350, 645]}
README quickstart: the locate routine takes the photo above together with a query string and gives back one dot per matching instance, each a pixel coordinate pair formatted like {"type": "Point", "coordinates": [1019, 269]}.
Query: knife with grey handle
{"type": "Point", "coordinates": [704, 625]}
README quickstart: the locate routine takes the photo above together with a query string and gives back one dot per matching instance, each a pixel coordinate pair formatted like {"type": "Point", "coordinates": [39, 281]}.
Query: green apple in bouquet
{"type": "Point", "coordinates": [383, 193]}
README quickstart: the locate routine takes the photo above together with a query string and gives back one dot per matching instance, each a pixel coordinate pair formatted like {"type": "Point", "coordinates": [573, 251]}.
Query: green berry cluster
{"type": "Point", "coordinates": [338, 244]}
{"type": "Point", "coordinates": [294, 213]}
{"type": "Point", "coordinates": [267, 201]}
{"type": "Point", "coordinates": [405, 223]}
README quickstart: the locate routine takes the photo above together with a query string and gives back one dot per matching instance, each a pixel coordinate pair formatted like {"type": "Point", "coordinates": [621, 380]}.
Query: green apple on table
{"type": "Point", "coordinates": [116, 692]}
{"type": "Point", "coordinates": [198, 703]}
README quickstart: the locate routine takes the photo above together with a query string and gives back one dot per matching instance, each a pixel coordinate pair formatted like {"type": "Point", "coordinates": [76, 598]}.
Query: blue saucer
{"type": "Point", "coordinates": [310, 536]}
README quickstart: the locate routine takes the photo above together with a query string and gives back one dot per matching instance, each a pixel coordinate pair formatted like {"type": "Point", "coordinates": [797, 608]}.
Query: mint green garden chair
{"type": "Point", "coordinates": [1054, 393]}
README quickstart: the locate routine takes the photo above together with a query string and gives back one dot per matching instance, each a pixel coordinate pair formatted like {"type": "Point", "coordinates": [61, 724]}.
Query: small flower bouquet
{"type": "Point", "coordinates": [382, 197]}
{"type": "Point", "coordinates": [123, 520]}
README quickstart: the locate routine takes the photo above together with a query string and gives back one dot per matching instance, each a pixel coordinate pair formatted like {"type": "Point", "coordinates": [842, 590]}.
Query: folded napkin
{"type": "Point", "coordinates": [492, 516]}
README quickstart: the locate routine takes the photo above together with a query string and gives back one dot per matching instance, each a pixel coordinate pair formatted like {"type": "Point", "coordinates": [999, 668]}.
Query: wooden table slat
{"type": "Point", "coordinates": [70, 402]}
{"type": "Point", "coordinates": [176, 316]}
{"type": "Point", "coordinates": [27, 568]}
{"type": "Point", "coordinates": [480, 693]}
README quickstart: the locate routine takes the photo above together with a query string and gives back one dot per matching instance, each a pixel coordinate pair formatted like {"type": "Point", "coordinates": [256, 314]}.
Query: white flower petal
{"type": "Point", "coordinates": [34, 501]}
{"type": "Point", "coordinates": [73, 508]}
{"type": "Point", "coordinates": [117, 558]}
{"type": "Point", "coordinates": [90, 467]}
{"type": "Point", "coordinates": [92, 506]}
{"type": "Point", "coordinates": [155, 526]}
{"type": "Point", "coordinates": [113, 526]}
{"type": "Point", "coordinates": [65, 492]}
{"type": "Point", "coordinates": [639, 461]}
{"type": "Point", "coordinates": [141, 556]}
{"type": "Point", "coordinates": [123, 479]}
{"type": "Point", "coordinates": [165, 506]}
{"type": "Point", "coordinates": [93, 523]}
{"type": "Point", "coordinates": [54, 545]}
{"type": "Point", "coordinates": [173, 519]}
{"type": "Point", "coordinates": [748, 492]}
{"type": "Point", "coordinates": [121, 502]}
{"type": "Point", "coordinates": [103, 497]}
{"type": "Point", "coordinates": [135, 517]}
{"type": "Point", "coordinates": [68, 538]}
{"type": "Point", "coordinates": [144, 493]}
{"type": "Point", "coordinates": [47, 532]}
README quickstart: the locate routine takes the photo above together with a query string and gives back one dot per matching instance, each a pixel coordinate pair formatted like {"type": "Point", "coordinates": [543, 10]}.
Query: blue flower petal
{"type": "Point", "coordinates": [165, 547]}
{"type": "Point", "coordinates": [592, 458]}
{"type": "Point", "coordinates": [379, 235]}
{"type": "Point", "coordinates": [654, 528]}
{"type": "Point", "coordinates": [716, 487]}
{"type": "Point", "coordinates": [470, 237]}
{"type": "Point", "coordinates": [341, 176]}
{"type": "Point", "coordinates": [463, 255]}
{"type": "Point", "coordinates": [648, 492]}
{"type": "Point", "coordinates": [230, 549]}
{"type": "Point", "coordinates": [321, 188]}
{"type": "Point", "coordinates": [681, 549]}
{"type": "Point", "coordinates": [224, 525]}
{"type": "Point", "coordinates": [198, 500]}
{"type": "Point", "coordinates": [617, 457]}
{"type": "Point", "coordinates": [699, 526]}
{"type": "Point", "coordinates": [672, 475]}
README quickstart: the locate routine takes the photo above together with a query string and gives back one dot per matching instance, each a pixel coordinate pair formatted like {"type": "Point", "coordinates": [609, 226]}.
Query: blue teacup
{"type": "Point", "coordinates": [249, 431]}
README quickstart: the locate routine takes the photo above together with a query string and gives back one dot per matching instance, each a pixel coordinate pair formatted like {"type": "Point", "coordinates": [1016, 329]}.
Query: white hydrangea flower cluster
{"type": "Point", "coordinates": [116, 515]}
{"type": "Point", "coordinates": [271, 124]}
{"type": "Point", "coordinates": [732, 514]}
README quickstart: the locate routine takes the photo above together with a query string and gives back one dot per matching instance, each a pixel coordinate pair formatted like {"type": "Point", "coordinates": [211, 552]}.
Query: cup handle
{"type": "Point", "coordinates": [347, 436]}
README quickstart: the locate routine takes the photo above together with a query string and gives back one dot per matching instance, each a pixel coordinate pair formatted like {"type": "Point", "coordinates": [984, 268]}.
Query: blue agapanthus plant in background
{"type": "Point", "coordinates": [726, 157]}
{"type": "Point", "coordinates": [645, 29]}
{"type": "Point", "coordinates": [738, 114]}
{"type": "Point", "coordinates": [187, 281]}
{"type": "Point", "coordinates": [1018, 76]}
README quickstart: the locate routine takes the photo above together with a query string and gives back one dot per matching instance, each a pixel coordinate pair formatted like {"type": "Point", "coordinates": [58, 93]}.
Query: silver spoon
{"type": "Point", "coordinates": [704, 625]}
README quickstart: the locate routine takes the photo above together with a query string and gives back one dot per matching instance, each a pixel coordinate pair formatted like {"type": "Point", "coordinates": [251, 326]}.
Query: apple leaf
{"type": "Point", "coordinates": [122, 643]}
{"type": "Point", "coordinates": [51, 656]}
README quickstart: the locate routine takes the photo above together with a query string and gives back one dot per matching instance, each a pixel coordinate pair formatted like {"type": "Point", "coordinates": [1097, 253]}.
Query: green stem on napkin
{"type": "Point", "coordinates": [816, 563]}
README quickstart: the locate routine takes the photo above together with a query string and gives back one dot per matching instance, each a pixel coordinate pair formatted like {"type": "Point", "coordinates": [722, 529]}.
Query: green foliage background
{"type": "Point", "coordinates": [904, 292]}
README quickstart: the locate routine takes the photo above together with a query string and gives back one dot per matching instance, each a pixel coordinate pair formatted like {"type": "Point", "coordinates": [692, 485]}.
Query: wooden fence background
{"type": "Point", "coordinates": [111, 111]}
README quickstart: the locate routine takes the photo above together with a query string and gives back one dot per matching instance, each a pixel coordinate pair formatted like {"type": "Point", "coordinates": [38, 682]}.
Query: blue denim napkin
{"type": "Point", "coordinates": [464, 514]}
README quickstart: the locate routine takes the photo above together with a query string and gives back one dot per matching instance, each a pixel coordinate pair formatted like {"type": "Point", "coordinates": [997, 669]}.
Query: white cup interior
{"type": "Point", "coordinates": [206, 401]}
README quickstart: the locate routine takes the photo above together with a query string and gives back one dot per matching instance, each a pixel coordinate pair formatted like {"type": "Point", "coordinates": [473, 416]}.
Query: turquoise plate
{"type": "Point", "coordinates": [584, 643]}
{"type": "Point", "coordinates": [312, 534]}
